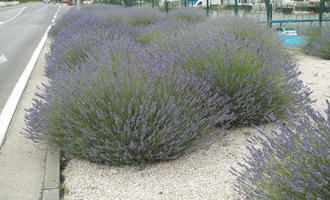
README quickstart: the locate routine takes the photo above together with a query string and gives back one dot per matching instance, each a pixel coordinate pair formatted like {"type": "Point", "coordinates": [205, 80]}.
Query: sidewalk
{"type": "Point", "coordinates": [26, 172]}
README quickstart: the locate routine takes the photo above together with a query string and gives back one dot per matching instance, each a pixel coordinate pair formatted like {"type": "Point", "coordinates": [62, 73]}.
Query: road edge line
{"type": "Point", "coordinates": [8, 20]}
{"type": "Point", "coordinates": [10, 107]}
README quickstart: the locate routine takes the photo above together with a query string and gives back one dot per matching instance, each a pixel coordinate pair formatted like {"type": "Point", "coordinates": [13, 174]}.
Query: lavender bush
{"type": "Point", "coordinates": [320, 46]}
{"type": "Point", "coordinates": [117, 109]}
{"type": "Point", "coordinates": [115, 97]}
{"type": "Point", "coordinates": [189, 14]}
{"type": "Point", "coordinates": [292, 163]}
{"type": "Point", "coordinates": [133, 16]}
{"type": "Point", "coordinates": [257, 78]}
{"type": "Point", "coordinates": [66, 18]}
{"type": "Point", "coordinates": [158, 30]}
{"type": "Point", "coordinates": [76, 37]}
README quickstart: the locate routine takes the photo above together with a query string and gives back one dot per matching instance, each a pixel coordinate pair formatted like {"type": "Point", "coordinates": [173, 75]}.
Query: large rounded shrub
{"type": "Point", "coordinates": [257, 78]}
{"type": "Point", "coordinates": [320, 46]}
{"type": "Point", "coordinates": [117, 109]}
{"type": "Point", "coordinates": [291, 163]}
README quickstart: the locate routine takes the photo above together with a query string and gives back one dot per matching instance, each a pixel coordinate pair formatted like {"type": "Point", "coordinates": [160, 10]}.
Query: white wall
{"type": "Point", "coordinates": [10, 3]}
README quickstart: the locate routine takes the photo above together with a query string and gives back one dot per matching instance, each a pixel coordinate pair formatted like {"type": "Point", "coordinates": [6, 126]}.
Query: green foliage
{"type": "Point", "coordinates": [145, 38]}
{"type": "Point", "coordinates": [241, 60]}
{"type": "Point", "coordinates": [139, 20]}
{"type": "Point", "coordinates": [320, 46]}
{"type": "Point", "coordinates": [309, 36]}
{"type": "Point", "coordinates": [189, 14]}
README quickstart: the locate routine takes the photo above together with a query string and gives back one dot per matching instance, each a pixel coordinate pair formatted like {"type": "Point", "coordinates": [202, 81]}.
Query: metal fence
{"type": "Point", "coordinates": [274, 13]}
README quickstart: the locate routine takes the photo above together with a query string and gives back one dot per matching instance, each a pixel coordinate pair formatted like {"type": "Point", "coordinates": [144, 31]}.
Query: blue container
{"type": "Point", "coordinates": [292, 40]}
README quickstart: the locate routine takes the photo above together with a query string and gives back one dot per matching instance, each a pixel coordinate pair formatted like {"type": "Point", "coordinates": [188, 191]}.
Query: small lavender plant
{"type": "Point", "coordinates": [320, 46]}
{"type": "Point", "coordinates": [292, 163]}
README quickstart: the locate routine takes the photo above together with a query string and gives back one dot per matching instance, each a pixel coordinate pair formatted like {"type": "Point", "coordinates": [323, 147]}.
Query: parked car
{"type": "Point", "coordinates": [47, 1]}
{"type": "Point", "coordinates": [286, 31]}
{"type": "Point", "coordinates": [289, 37]}
{"type": "Point", "coordinates": [66, 1]}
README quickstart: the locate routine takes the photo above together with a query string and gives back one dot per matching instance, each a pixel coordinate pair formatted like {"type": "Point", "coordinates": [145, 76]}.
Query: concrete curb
{"type": "Point", "coordinates": [51, 188]}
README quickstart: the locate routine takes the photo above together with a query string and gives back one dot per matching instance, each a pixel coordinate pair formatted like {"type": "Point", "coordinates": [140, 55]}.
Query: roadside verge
{"type": "Point", "coordinates": [28, 172]}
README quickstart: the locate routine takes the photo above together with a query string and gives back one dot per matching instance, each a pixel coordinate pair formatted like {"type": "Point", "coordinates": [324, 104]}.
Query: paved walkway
{"type": "Point", "coordinates": [24, 169]}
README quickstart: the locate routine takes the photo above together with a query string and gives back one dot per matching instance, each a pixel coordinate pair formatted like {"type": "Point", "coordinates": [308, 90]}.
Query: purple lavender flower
{"type": "Point", "coordinates": [320, 46]}
{"type": "Point", "coordinates": [290, 163]}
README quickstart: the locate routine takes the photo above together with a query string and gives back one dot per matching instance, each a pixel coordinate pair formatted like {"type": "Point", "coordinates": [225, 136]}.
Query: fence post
{"type": "Point", "coordinates": [321, 12]}
{"type": "Point", "coordinates": [270, 15]}
{"type": "Point", "coordinates": [207, 8]}
{"type": "Point", "coordinates": [267, 10]}
{"type": "Point", "coordinates": [236, 8]}
{"type": "Point", "coordinates": [166, 6]}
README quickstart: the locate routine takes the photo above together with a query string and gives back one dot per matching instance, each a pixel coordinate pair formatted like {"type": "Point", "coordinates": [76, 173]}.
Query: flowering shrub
{"type": "Point", "coordinates": [141, 16]}
{"type": "Point", "coordinates": [189, 14]}
{"type": "Point", "coordinates": [320, 46]}
{"type": "Point", "coordinates": [257, 78]}
{"type": "Point", "coordinates": [292, 163]}
{"type": "Point", "coordinates": [76, 37]}
{"type": "Point", "coordinates": [248, 29]}
{"type": "Point", "coordinates": [133, 16]}
{"type": "Point", "coordinates": [160, 29]}
{"type": "Point", "coordinates": [130, 86]}
{"type": "Point", "coordinates": [118, 109]}
{"type": "Point", "coordinates": [66, 18]}
{"type": "Point", "coordinates": [310, 35]}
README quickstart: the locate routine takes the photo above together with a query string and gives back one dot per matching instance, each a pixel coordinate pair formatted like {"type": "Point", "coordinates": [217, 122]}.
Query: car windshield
{"type": "Point", "coordinates": [289, 29]}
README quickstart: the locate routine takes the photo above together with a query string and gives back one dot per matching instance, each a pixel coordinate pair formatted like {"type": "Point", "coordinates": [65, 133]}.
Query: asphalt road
{"type": "Point", "coordinates": [21, 29]}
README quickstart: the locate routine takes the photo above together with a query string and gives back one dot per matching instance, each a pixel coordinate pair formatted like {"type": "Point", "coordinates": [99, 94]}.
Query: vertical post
{"type": "Point", "coordinates": [185, 3]}
{"type": "Point", "coordinates": [236, 8]}
{"type": "Point", "coordinates": [267, 11]}
{"type": "Point", "coordinates": [78, 4]}
{"type": "Point", "coordinates": [321, 12]}
{"type": "Point", "coordinates": [270, 15]}
{"type": "Point", "coordinates": [166, 6]}
{"type": "Point", "coordinates": [207, 8]}
{"type": "Point", "coordinates": [152, 3]}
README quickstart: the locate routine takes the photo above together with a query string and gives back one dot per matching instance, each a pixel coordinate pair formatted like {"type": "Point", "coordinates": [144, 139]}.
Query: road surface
{"type": "Point", "coordinates": [21, 29]}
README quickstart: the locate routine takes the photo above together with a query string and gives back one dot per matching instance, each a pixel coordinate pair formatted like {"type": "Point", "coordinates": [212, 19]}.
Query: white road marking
{"type": "Point", "coordinates": [8, 20]}
{"type": "Point", "coordinates": [11, 104]}
{"type": "Point", "coordinates": [58, 10]}
{"type": "Point", "coordinates": [3, 59]}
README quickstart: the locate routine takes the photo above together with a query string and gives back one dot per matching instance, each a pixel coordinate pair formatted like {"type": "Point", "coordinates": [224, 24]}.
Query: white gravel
{"type": "Point", "coordinates": [201, 175]}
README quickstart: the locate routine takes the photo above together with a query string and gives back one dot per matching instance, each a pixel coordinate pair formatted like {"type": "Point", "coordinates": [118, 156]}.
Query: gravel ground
{"type": "Point", "coordinates": [201, 175]}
